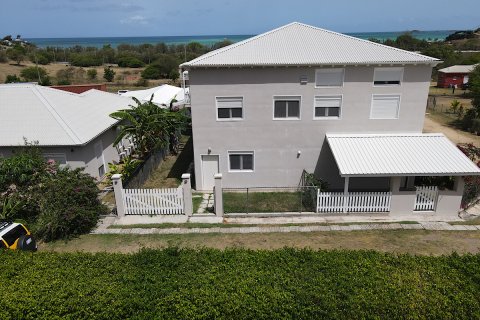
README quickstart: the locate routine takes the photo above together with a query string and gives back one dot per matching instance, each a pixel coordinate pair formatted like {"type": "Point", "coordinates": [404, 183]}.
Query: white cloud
{"type": "Point", "coordinates": [137, 19]}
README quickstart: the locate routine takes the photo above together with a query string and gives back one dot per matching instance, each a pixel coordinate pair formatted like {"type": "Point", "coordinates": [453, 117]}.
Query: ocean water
{"type": "Point", "coordinates": [210, 40]}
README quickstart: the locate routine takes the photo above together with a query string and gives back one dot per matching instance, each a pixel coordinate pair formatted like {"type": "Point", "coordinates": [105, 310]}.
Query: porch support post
{"type": "Point", "coordinates": [118, 191]}
{"type": "Point", "coordinates": [345, 194]}
{"type": "Point", "coordinates": [187, 194]}
{"type": "Point", "coordinates": [218, 195]}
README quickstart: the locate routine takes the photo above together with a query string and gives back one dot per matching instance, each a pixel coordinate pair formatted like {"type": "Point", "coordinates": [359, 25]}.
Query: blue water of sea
{"type": "Point", "coordinates": [210, 40]}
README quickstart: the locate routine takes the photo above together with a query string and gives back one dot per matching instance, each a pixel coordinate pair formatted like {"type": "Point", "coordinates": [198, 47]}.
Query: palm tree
{"type": "Point", "coordinates": [149, 125]}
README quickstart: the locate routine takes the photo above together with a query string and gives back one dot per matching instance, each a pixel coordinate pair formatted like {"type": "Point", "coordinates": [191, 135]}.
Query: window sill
{"type": "Point", "coordinates": [327, 118]}
{"type": "Point", "coordinates": [240, 171]}
{"type": "Point", "coordinates": [286, 119]}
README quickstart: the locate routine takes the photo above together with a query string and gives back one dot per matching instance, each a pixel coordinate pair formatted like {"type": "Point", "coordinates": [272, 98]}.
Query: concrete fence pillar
{"type": "Point", "coordinates": [187, 194]}
{"type": "Point", "coordinates": [118, 191]}
{"type": "Point", "coordinates": [218, 195]}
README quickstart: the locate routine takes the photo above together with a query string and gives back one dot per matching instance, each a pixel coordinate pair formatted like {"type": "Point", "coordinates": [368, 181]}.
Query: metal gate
{"type": "Point", "coordinates": [426, 198]}
{"type": "Point", "coordinates": [168, 201]}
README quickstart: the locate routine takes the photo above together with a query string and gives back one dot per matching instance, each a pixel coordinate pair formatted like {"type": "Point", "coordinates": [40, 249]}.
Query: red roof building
{"type": "Point", "coordinates": [454, 76]}
{"type": "Point", "coordinates": [80, 88]}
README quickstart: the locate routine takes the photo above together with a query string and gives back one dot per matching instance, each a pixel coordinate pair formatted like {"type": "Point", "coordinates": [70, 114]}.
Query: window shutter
{"type": "Point", "coordinates": [388, 75]}
{"type": "Point", "coordinates": [230, 102]}
{"type": "Point", "coordinates": [325, 102]}
{"type": "Point", "coordinates": [329, 77]}
{"type": "Point", "coordinates": [385, 107]}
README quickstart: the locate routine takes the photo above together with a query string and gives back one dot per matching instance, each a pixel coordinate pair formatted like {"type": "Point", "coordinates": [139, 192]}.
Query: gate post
{"type": "Point", "coordinates": [118, 191]}
{"type": "Point", "coordinates": [187, 194]}
{"type": "Point", "coordinates": [218, 195]}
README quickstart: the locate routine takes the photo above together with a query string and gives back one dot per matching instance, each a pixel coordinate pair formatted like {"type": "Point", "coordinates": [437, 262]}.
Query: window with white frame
{"type": "Point", "coordinates": [332, 77]}
{"type": "Point", "coordinates": [328, 107]}
{"type": "Point", "coordinates": [240, 160]}
{"type": "Point", "coordinates": [286, 107]}
{"type": "Point", "coordinates": [229, 108]}
{"type": "Point", "coordinates": [387, 76]}
{"type": "Point", "coordinates": [385, 106]}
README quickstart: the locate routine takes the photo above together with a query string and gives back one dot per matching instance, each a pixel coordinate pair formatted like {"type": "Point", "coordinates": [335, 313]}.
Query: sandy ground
{"type": "Point", "coordinates": [456, 136]}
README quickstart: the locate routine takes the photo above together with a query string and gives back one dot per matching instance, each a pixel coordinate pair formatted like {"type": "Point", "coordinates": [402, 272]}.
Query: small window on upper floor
{"type": "Point", "coordinates": [229, 108]}
{"type": "Point", "coordinates": [326, 78]}
{"type": "Point", "coordinates": [287, 107]}
{"type": "Point", "coordinates": [59, 158]}
{"type": "Point", "coordinates": [388, 76]}
{"type": "Point", "coordinates": [327, 107]}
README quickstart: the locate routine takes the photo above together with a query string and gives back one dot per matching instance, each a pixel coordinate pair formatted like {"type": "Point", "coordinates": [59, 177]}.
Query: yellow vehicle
{"type": "Point", "coordinates": [16, 236]}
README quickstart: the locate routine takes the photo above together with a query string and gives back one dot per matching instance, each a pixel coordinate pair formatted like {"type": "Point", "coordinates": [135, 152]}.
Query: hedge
{"type": "Point", "coordinates": [238, 284]}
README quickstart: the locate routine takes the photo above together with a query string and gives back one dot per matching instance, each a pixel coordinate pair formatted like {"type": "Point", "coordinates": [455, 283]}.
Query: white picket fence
{"type": "Point", "coordinates": [426, 198]}
{"type": "Point", "coordinates": [168, 201]}
{"type": "Point", "coordinates": [353, 202]}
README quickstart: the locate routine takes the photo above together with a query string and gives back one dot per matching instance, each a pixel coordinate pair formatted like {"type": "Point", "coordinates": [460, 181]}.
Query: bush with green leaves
{"type": "Point", "coordinates": [130, 62]}
{"type": "Point", "coordinates": [69, 205]}
{"type": "Point", "coordinates": [238, 284]}
{"type": "Point", "coordinates": [12, 78]}
{"type": "Point", "coordinates": [108, 74]}
{"type": "Point", "coordinates": [92, 74]}
{"type": "Point", "coordinates": [56, 203]}
{"type": "Point", "coordinates": [87, 59]}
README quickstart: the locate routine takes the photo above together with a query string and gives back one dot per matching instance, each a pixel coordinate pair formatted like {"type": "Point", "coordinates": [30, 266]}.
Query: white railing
{"type": "Point", "coordinates": [166, 201]}
{"type": "Point", "coordinates": [354, 202]}
{"type": "Point", "coordinates": [426, 198]}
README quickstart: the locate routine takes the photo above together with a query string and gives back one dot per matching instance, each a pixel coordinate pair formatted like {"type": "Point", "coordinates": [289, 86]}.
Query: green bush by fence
{"type": "Point", "coordinates": [238, 284]}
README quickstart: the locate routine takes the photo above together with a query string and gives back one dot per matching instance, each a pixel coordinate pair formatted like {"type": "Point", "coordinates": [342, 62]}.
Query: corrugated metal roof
{"type": "Point", "coordinates": [458, 69]}
{"type": "Point", "coordinates": [300, 44]}
{"type": "Point", "coordinates": [54, 117]}
{"type": "Point", "coordinates": [398, 154]}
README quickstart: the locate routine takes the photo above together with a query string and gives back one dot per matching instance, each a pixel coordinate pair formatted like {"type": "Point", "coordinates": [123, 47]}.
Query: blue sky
{"type": "Point", "coordinates": [106, 18]}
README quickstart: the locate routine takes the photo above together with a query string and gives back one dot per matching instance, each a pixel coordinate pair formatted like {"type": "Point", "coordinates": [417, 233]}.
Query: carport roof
{"type": "Point", "coordinates": [385, 155]}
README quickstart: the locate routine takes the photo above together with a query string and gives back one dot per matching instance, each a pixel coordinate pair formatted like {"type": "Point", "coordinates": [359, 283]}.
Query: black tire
{"type": "Point", "coordinates": [27, 243]}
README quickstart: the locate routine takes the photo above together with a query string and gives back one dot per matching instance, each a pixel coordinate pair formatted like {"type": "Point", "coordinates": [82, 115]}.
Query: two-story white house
{"type": "Point", "coordinates": [302, 98]}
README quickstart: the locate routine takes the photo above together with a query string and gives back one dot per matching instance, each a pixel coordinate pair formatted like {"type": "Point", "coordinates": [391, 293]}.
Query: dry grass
{"type": "Point", "coordinates": [169, 173]}
{"type": "Point", "coordinates": [421, 242]}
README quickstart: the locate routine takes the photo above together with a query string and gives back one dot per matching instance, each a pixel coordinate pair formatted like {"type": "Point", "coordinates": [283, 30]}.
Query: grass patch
{"type": "Point", "coordinates": [191, 225]}
{"type": "Point", "coordinates": [474, 221]}
{"type": "Point", "coordinates": [169, 173]}
{"type": "Point", "coordinates": [196, 201]}
{"type": "Point", "coordinates": [239, 284]}
{"type": "Point", "coordinates": [261, 202]}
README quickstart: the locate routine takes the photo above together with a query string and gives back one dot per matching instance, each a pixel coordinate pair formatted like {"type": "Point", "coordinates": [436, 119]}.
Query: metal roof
{"type": "Point", "coordinates": [162, 95]}
{"type": "Point", "coordinates": [458, 69]}
{"type": "Point", "coordinates": [54, 117]}
{"type": "Point", "coordinates": [386, 155]}
{"type": "Point", "coordinates": [299, 44]}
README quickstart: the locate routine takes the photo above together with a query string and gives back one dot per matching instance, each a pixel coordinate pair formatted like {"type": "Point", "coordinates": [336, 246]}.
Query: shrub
{"type": "Point", "coordinates": [130, 62]}
{"type": "Point", "coordinates": [85, 60]}
{"type": "Point", "coordinates": [58, 203]}
{"type": "Point", "coordinates": [108, 74]}
{"type": "Point", "coordinates": [69, 205]}
{"type": "Point", "coordinates": [12, 78]}
{"type": "Point", "coordinates": [33, 73]}
{"type": "Point", "coordinates": [152, 72]}
{"type": "Point", "coordinates": [3, 56]}
{"type": "Point", "coordinates": [92, 74]}
{"type": "Point", "coordinates": [239, 284]}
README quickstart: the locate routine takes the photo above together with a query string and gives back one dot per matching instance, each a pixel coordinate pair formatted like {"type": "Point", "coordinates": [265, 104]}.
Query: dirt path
{"type": "Point", "coordinates": [456, 136]}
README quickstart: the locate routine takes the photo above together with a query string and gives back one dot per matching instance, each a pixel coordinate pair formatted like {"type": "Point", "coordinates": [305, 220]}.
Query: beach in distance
{"type": "Point", "coordinates": [209, 40]}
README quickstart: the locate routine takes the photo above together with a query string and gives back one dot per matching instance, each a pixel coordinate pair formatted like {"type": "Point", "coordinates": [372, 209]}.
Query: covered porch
{"type": "Point", "coordinates": [402, 160]}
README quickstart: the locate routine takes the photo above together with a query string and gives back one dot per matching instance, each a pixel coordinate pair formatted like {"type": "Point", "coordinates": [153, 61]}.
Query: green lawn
{"type": "Point", "coordinates": [258, 202]}
{"type": "Point", "coordinates": [238, 284]}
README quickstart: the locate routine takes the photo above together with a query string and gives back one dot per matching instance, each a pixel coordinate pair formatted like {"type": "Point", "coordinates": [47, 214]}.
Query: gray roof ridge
{"type": "Point", "coordinates": [249, 40]}
{"type": "Point", "coordinates": [70, 132]}
{"type": "Point", "coordinates": [238, 44]}
{"type": "Point", "coordinates": [366, 41]}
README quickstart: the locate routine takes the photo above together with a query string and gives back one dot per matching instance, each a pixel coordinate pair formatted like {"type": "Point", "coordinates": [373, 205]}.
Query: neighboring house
{"type": "Point", "coordinates": [162, 95]}
{"type": "Point", "coordinates": [73, 129]}
{"type": "Point", "coordinates": [81, 88]}
{"type": "Point", "coordinates": [454, 76]}
{"type": "Point", "coordinates": [303, 98]}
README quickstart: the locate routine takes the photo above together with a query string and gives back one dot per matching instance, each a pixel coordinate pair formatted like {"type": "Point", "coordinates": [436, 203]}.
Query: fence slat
{"type": "Point", "coordinates": [426, 198]}
{"type": "Point", "coordinates": [355, 201]}
{"type": "Point", "coordinates": [167, 201]}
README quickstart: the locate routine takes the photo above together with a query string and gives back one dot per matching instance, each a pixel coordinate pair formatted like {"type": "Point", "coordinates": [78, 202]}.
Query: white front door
{"type": "Point", "coordinates": [209, 169]}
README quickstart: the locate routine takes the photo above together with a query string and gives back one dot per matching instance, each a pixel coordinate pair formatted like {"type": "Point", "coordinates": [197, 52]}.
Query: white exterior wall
{"type": "Point", "coordinates": [276, 142]}
{"type": "Point", "coordinates": [82, 156]}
